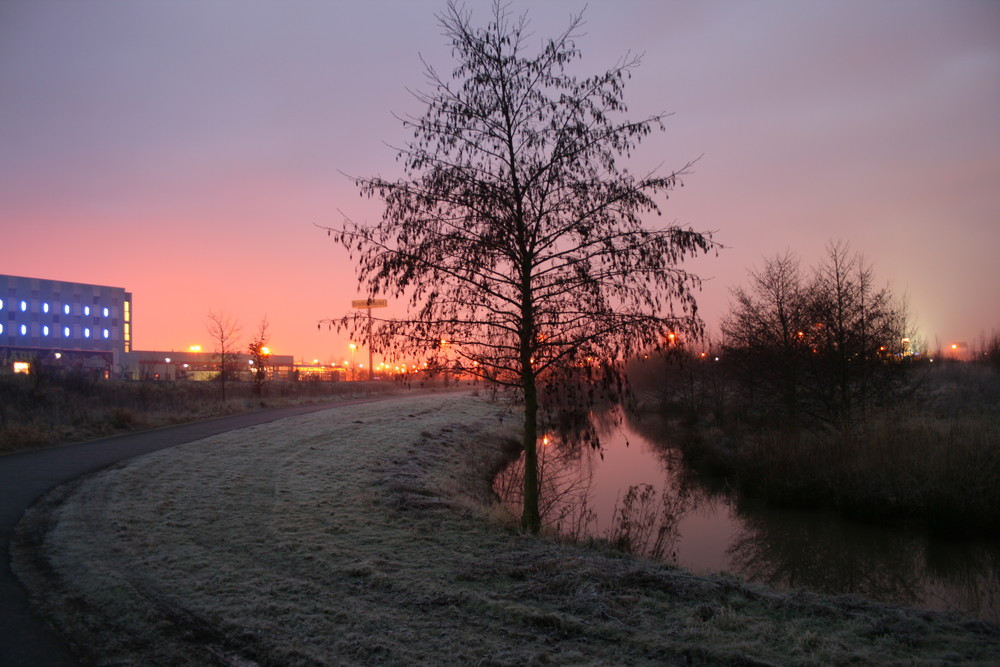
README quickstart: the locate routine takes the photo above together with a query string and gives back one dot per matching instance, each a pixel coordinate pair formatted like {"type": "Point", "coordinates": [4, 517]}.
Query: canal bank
{"type": "Point", "coordinates": [370, 534]}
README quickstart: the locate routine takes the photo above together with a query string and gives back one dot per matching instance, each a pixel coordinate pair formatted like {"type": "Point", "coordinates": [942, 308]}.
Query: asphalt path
{"type": "Point", "coordinates": [25, 639]}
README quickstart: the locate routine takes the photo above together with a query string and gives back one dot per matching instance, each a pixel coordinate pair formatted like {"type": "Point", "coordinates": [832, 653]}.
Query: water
{"type": "Point", "coordinates": [704, 529]}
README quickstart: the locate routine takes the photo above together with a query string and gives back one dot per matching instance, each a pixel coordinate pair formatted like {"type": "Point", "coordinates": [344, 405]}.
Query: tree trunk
{"type": "Point", "coordinates": [531, 520]}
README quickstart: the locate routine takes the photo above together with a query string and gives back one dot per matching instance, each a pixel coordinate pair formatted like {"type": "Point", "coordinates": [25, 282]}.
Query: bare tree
{"type": "Point", "coordinates": [856, 337]}
{"type": "Point", "coordinates": [825, 349]}
{"type": "Point", "coordinates": [259, 354]}
{"type": "Point", "coordinates": [517, 235]}
{"type": "Point", "coordinates": [765, 333]}
{"type": "Point", "coordinates": [224, 330]}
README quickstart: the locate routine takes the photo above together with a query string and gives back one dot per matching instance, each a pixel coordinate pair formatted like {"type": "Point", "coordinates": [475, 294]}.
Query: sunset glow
{"type": "Point", "coordinates": [187, 151]}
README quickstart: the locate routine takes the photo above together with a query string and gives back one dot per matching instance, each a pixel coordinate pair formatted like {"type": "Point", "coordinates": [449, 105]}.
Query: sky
{"type": "Point", "coordinates": [187, 150]}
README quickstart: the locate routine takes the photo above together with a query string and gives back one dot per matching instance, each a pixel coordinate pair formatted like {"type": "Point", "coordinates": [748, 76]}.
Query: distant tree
{"type": "Point", "coordinates": [224, 331]}
{"type": "Point", "coordinates": [688, 379]}
{"type": "Point", "coordinates": [856, 337]}
{"type": "Point", "coordinates": [765, 332]}
{"type": "Point", "coordinates": [259, 354]}
{"type": "Point", "coordinates": [517, 235]}
{"type": "Point", "coordinates": [990, 349]}
{"type": "Point", "coordinates": [826, 349]}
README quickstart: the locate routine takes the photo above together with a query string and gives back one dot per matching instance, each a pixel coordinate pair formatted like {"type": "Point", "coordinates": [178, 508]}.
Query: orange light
{"type": "Point", "coordinates": [954, 346]}
{"type": "Point", "coordinates": [194, 348]}
{"type": "Point", "coordinates": [265, 350]}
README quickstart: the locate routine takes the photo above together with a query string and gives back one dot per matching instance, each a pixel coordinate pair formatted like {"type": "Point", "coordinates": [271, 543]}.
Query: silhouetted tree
{"type": "Point", "coordinates": [517, 235]}
{"type": "Point", "coordinates": [225, 331]}
{"type": "Point", "coordinates": [259, 355]}
{"type": "Point", "coordinates": [826, 349]}
{"type": "Point", "coordinates": [856, 337]}
{"type": "Point", "coordinates": [765, 333]}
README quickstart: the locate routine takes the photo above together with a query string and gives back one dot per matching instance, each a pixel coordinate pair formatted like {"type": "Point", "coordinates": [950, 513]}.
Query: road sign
{"type": "Point", "coordinates": [370, 303]}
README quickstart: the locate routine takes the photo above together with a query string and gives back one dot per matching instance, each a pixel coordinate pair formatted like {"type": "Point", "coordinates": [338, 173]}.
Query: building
{"type": "Point", "coordinates": [78, 326]}
{"type": "Point", "coordinates": [69, 324]}
{"type": "Point", "coordinates": [187, 365]}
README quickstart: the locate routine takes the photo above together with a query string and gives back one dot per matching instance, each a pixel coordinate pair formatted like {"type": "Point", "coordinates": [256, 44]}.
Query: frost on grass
{"type": "Point", "coordinates": [363, 535]}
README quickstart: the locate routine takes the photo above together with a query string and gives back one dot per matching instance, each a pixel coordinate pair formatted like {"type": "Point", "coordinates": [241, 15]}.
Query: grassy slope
{"type": "Point", "coordinates": [361, 535]}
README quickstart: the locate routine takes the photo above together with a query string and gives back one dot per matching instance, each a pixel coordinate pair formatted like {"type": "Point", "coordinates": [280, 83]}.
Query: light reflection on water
{"type": "Point", "coordinates": [704, 530]}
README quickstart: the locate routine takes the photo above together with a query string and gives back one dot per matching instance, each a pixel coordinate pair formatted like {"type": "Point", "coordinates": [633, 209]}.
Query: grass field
{"type": "Point", "coordinates": [50, 410]}
{"type": "Point", "coordinates": [370, 535]}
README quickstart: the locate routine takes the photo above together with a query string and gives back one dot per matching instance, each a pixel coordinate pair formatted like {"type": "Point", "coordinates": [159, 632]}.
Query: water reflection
{"type": "Point", "coordinates": [821, 552]}
{"type": "Point", "coordinates": [636, 494]}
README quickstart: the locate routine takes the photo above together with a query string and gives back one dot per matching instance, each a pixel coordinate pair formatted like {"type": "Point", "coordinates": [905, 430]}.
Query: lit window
{"type": "Point", "coordinates": [86, 332]}
{"type": "Point", "coordinates": [45, 307]}
{"type": "Point", "coordinates": [66, 309]}
{"type": "Point", "coordinates": [106, 311]}
{"type": "Point", "coordinates": [86, 310]}
{"type": "Point", "coordinates": [65, 332]}
{"type": "Point", "coordinates": [45, 330]}
{"type": "Point", "coordinates": [1, 304]}
{"type": "Point", "coordinates": [24, 305]}
{"type": "Point", "coordinates": [1, 328]}
{"type": "Point", "coordinates": [22, 367]}
{"type": "Point", "coordinates": [24, 329]}
{"type": "Point", "coordinates": [107, 334]}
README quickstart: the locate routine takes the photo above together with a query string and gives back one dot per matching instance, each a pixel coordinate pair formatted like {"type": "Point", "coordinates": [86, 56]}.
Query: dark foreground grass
{"type": "Point", "coordinates": [370, 535]}
{"type": "Point", "coordinates": [59, 409]}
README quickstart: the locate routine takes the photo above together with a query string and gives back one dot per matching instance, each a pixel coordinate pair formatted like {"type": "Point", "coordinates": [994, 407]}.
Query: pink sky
{"type": "Point", "coordinates": [185, 150]}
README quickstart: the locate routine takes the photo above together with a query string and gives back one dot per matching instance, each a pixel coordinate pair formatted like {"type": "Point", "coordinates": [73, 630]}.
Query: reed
{"type": "Point", "coordinates": [933, 459]}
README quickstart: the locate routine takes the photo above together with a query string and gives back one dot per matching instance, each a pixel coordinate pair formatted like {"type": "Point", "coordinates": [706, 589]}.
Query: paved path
{"type": "Point", "coordinates": [25, 640]}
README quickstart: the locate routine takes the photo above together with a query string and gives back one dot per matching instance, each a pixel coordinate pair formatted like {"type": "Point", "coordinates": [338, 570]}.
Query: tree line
{"type": "Point", "coordinates": [820, 348]}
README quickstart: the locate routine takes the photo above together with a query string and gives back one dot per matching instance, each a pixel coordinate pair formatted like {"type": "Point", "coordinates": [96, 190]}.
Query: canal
{"type": "Point", "coordinates": [636, 492]}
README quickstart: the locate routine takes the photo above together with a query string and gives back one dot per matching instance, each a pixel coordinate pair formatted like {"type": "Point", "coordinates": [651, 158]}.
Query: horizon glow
{"type": "Point", "coordinates": [187, 151]}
